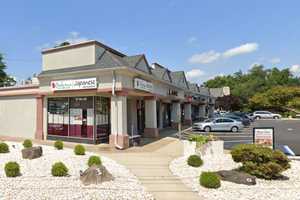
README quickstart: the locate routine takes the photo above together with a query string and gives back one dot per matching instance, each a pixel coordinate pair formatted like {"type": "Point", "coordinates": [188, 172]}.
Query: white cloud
{"type": "Point", "coordinates": [212, 55]}
{"type": "Point", "coordinates": [73, 38]}
{"type": "Point", "coordinates": [243, 49]}
{"type": "Point", "coordinates": [295, 69]}
{"type": "Point", "coordinates": [274, 60]}
{"type": "Point", "coordinates": [195, 75]}
{"type": "Point", "coordinates": [204, 58]}
{"type": "Point", "coordinates": [192, 40]}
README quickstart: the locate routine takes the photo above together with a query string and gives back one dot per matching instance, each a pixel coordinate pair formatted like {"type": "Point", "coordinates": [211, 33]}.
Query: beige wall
{"type": "Point", "coordinates": [18, 116]}
{"type": "Point", "coordinates": [73, 57]}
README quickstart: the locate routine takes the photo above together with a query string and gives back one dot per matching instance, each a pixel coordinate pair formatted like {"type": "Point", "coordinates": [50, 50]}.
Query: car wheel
{"type": "Point", "coordinates": [207, 129]}
{"type": "Point", "coordinates": [257, 117]}
{"type": "Point", "coordinates": [234, 129]}
{"type": "Point", "coordinates": [276, 117]}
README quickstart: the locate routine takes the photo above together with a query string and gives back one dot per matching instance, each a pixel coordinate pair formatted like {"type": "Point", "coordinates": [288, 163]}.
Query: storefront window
{"type": "Point", "coordinates": [58, 116]}
{"type": "Point", "coordinates": [81, 117]}
{"type": "Point", "coordinates": [102, 118]}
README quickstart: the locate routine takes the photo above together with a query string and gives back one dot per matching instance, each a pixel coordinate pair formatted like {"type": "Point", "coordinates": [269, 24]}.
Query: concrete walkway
{"type": "Point", "coordinates": [152, 169]}
{"type": "Point", "coordinates": [150, 163]}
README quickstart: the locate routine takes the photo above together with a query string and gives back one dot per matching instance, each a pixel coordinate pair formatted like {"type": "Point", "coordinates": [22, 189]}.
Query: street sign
{"type": "Point", "coordinates": [264, 136]}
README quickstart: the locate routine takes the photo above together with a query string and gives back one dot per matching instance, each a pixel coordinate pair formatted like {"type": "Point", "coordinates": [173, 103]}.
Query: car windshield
{"type": "Point", "coordinates": [208, 120]}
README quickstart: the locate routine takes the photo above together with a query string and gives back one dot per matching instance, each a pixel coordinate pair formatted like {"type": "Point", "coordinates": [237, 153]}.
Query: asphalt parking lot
{"type": "Point", "coordinates": [287, 132]}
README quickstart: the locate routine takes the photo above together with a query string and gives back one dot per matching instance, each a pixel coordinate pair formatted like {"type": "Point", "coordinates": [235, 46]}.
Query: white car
{"type": "Point", "coordinates": [218, 124]}
{"type": "Point", "coordinates": [265, 115]}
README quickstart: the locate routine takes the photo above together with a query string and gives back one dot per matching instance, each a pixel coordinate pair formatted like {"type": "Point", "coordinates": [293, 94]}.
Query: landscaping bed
{"type": "Point", "coordinates": [264, 189]}
{"type": "Point", "coordinates": [37, 182]}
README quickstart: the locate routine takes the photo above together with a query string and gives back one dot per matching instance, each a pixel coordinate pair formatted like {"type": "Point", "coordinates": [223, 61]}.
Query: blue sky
{"type": "Point", "coordinates": [203, 38]}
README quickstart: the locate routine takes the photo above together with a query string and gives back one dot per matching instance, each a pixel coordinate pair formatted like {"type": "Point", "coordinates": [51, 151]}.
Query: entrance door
{"type": "Point", "coordinates": [84, 123]}
{"type": "Point", "coordinates": [140, 104]}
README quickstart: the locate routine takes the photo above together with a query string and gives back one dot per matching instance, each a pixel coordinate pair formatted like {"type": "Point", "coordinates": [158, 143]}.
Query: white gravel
{"type": "Point", "coordinates": [271, 190]}
{"type": "Point", "coordinates": [37, 182]}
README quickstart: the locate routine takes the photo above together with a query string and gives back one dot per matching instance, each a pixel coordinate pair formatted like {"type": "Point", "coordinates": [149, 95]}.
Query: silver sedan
{"type": "Point", "coordinates": [218, 124]}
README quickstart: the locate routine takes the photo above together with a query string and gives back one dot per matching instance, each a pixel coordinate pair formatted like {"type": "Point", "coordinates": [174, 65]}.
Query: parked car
{"type": "Point", "coordinates": [245, 122]}
{"type": "Point", "coordinates": [265, 115]}
{"type": "Point", "coordinates": [218, 124]}
{"type": "Point", "coordinates": [243, 115]}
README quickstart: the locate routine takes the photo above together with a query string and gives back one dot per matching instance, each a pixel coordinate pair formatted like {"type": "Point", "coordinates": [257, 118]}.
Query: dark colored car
{"type": "Point", "coordinates": [246, 122]}
{"type": "Point", "coordinates": [243, 115]}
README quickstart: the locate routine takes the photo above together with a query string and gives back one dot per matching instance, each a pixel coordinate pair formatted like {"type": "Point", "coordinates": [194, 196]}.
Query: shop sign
{"type": "Point", "coordinates": [74, 84]}
{"type": "Point", "coordinates": [172, 92]}
{"type": "Point", "coordinates": [141, 84]}
{"type": "Point", "coordinates": [264, 136]}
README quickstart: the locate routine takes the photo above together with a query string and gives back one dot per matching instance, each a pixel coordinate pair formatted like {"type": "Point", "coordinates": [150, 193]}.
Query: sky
{"type": "Point", "coordinates": [204, 38]}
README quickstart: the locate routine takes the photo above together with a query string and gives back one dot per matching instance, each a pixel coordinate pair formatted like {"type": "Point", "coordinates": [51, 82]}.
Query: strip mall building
{"type": "Point", "coordinates": [91, 93]}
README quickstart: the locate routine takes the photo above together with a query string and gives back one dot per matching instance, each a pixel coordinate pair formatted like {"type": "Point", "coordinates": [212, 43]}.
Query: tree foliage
{"type": "Point", "coordinates": [5, 80]}
{"type": "Point", "coordinates": [255, 84]}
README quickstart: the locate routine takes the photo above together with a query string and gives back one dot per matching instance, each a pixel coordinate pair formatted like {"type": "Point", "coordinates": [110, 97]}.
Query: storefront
{"type": "Point", "coordinates": [84, 118]}
{"type": "Point", "coordinates": [91, 93]}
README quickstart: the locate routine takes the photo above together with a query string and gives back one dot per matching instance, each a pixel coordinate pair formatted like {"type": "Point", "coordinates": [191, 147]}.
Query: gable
{"type": "Point", "coordinates": [143, 66]}
{"type": "Point", "coordinates": [166, 76]}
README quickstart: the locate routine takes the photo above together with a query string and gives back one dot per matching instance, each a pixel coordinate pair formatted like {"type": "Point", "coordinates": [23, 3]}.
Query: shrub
{"type": "Point", "coordinates": [27, 143]}
{"type": "Point", "coordinates": [210, 180]}
{"type": "Point", "coordinates": [59, 169]}
{"type": "Point", "coordinates": [59, 145]}
{"type": "Point", "coordinates": [194, 161]}
{"type": "Point", "coordinates": [4, 148]}
{"type": "Point", "coordinates": [79, 150]}
{"type": "Point", "coordinates": [94, 160]}
{"type": "Point", "coordinates": [260, 161]}
{"type": "Point", "coordinates": [12, 169]}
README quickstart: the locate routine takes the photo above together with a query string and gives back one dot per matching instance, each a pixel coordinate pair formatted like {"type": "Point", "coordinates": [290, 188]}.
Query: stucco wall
{"type": "Point", "coordinates": [18, 116]}
{"type": "Point", "coordinates": [80, 56]}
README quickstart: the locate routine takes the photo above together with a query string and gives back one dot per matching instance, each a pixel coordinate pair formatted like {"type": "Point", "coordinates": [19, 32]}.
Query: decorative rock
{"type": "Point", "coordinates": [95, 175]}
{"type": "Point", "coordinates": [32, 152]}
{"type": "Point", "coordinates": [237, 177]}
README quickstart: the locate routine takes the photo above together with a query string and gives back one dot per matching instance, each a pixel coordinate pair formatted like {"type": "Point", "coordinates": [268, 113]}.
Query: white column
{"type": "Point", "coordinates": [188, 113]}
{"type": "Point", "coordinates": [118, 119]}
{"type": "Point", "coordinates": [151, 129]}
{"type": "Point", "coordinates": [175, 114]}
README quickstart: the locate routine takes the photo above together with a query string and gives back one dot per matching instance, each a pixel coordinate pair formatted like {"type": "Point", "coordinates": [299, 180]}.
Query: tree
{"type": "Point", "coordinates": [5, 80]}
{"type": "Point", "coordinates": [228, 103]}
{"type": "Point", "coordinates": [254, 84]}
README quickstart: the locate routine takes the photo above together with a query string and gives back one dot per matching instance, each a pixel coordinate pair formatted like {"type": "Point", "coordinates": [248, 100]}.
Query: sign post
{"type": "Point", "coordinates": [264, 136]}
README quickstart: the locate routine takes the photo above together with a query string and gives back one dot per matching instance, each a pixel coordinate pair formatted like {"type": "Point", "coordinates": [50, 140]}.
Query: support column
{"type": "Point", "coordinates": [175, 114]}
{"type": "Point", "coordinates": [151, 129]}
{"type": "Point", "coordinates": [202, 111]}
{"type": "Point", "coordinates": [118, 119]}
{"type": "Point", "coordinates": [188, 114]}
{"type": "Point", "coordinates": [161, 114]}
{"type": "Point", "coordinates": [211, 109]}
{"type": "Point", "coordinates": [39, 133]}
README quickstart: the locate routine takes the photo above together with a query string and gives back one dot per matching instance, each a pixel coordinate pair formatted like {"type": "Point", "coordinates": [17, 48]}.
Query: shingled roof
{"type": "Point", "coordinates": [161, 72]}
{"type": "Point", "coordinates": [193, 87]}
{"type": "Point", "coordinates": [179, 79]}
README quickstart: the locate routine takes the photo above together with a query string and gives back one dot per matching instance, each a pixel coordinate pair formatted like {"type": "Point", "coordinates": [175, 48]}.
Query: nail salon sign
{"type": "Point", "coordinates": [74, 84]}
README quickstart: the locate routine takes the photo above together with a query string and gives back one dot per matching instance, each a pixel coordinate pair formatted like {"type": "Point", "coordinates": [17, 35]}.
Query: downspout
{"type": "Point", "coordinates": [116, 107]}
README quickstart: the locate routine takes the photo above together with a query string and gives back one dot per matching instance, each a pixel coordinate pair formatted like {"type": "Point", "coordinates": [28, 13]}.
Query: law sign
{"type": "Point", "coordinates": [74, 84]}
{"type": "Point", "coordinates": [141, 84]}
{"type": "Point", "coordinates": [264, 136]}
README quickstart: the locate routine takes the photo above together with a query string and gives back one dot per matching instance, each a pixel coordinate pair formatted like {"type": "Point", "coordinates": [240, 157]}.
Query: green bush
{"type": "Point", "coordinates": [194, 161]}
{"type": "Point", "coordinates": [27, 143]}
{"type": "Point", "coordinates": [79, 150]}
{"type": "Point", "coordinates": [210, 180]}
{"type": "Point", "coordinates": [59, 169]}
{"type": "Point", "coordinates": [260, 161]}
{"type": "Point", "coordinates": [94, 160]}
{"type": "Point", "coordinates": [12, 169]}
{"type": "Point", "coordinates": [4, 148]}
{"type": "Point", "coordinates": [59, 145]}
